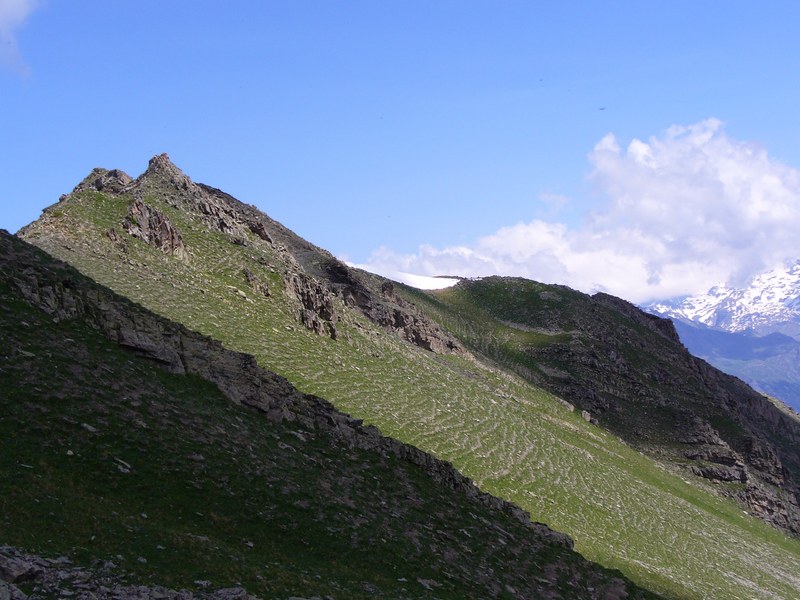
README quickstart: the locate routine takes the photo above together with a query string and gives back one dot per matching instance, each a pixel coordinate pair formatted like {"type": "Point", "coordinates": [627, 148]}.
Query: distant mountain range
{"type": "Point", "coordinates": [751, 332]}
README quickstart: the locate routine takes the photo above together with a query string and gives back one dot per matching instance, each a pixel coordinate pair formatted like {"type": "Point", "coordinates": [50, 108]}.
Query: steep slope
{"type": "Point", "coordinates": [631, 373]}
{"type": "Point", "coordinates": [373, 348]}
{"type": "Point", "coordinates": [126, 436]}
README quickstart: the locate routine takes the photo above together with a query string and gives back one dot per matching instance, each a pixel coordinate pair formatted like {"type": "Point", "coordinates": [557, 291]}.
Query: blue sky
{"type": "Point", "coordinates": [644, 148]}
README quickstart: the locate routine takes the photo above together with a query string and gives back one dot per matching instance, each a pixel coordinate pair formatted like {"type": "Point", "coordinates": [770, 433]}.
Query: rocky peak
{"type": "Point", "coordinates": [161, 170]}
{"type": "Point", "coordinates": [103, 180]}
{"type": "Point", "coordinates": [161, 163]}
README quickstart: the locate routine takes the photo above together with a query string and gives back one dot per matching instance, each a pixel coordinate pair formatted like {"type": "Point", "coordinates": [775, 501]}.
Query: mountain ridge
{"type": "Point", "coordinates": [387, 335]}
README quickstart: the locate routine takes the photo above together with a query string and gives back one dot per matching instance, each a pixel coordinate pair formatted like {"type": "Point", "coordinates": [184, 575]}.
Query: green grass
{"type": "Point", "coordinates": [517, 441]}
{"type": "Point", "coordinates": [103, 455]}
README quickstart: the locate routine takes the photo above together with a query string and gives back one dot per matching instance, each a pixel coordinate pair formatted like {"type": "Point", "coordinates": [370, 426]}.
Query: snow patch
{"type": "Point", "coordinates": [422, 282]}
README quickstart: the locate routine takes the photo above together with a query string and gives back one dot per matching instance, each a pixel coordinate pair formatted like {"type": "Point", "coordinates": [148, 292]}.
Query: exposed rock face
{"type": "Point", "coordinates": [152, 227]}
{"type": "Point", "coordinates": [63, 293]}
{"type": "Point", "coordinates": [769, 506]}
{"type": "Point", "coordinates": [389, 311]}
{"type": "Point", "coordinates": [103, 180]}
{"type": "Point", "coordinates": [764, 458]}
{"type": "Point", "coordinates": [718, 463]}
{"type": "Point", "coordinates": [317, 311]}
{"type": "Point", "coordinates": [699, 431]}
{"type": "Point", "coordinates": [256, 283]}
{"type": "Point", "coordinates": [714, 457]}
{"type": "Point", "coordinates": [261, 231]}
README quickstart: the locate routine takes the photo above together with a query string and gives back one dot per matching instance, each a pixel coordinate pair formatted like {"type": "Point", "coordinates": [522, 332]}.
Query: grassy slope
{"type": "Point", "coordinates": [516, 441]}
{"type": "Point", "coordinates": [650, 393]}
{"type": "Point", "coordinates": [104, 455]}
{"type": "Point", "coordinates": [503, 318]}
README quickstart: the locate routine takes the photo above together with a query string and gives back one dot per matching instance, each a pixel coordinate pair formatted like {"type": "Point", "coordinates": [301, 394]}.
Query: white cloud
{"type": "Point", "coordinates": [682, 211]}
{"type": "Point", "coordinates": [13, 14]}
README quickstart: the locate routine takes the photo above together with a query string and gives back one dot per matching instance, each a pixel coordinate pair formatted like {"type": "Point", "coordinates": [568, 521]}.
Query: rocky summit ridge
{"type": "Point", "coordinates": [584, 411]}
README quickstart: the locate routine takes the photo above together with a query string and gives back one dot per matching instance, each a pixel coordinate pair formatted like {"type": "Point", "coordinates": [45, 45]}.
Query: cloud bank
{"type": "Point", "coordinates": [680, 212]}
{"type": "Point", "coordinates": [13, 14]}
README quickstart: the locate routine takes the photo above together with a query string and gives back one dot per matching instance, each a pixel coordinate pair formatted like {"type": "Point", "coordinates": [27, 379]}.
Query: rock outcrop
{"type": "Point", "coordinates": [384, 308]}
{"type": "Point", "coordinates": [152, 227]}
{"type": "Point", "coordinates": [103, 180]}
{"type": "Point", "coordinates": [256, 283]}
{"type": "Point", "coordinates": [317, 311]}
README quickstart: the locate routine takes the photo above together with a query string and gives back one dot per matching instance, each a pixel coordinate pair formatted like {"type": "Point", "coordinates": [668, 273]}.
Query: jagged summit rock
{"type": "Point", "coordinates": [162, 162]}
{"type": "Point", "coordinates": [160, 166]}
{"type": "Point", "coordinates": [103, 180]}
{"type": "Point", "coordinates": [163, 176]}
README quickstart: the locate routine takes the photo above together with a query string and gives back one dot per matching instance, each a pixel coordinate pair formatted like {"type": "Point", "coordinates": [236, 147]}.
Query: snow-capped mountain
{"type": "Point", "coordinates": [751, 332]}
{"type": "Point", "coordinates": [770, 302]}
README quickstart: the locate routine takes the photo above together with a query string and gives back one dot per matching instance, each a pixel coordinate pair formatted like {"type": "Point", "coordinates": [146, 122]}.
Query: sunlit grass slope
{"type": "Point", "coordinates": [106, 456]}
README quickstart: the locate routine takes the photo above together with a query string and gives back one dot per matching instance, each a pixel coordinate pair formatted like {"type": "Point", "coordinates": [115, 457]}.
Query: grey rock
{"type": "Point", "coordinates": [103, 180]}
{"type": "Point", "coordinates": [256, 283]}
{"type": "Point", "coordinates": [261, 231]}
{"type": "Point", "coordinates": [17, 569]}
{"type": "Point", "coordinates": [153, 228]}
{"type": "Point", "coordinates": [8, 591]}
{"type": "Point", "coordinates": [317, 309]}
